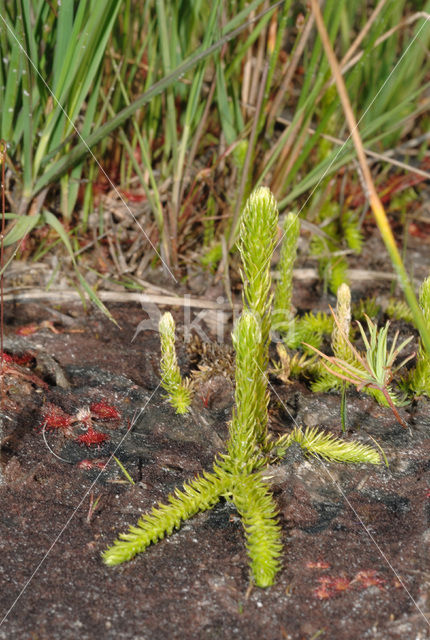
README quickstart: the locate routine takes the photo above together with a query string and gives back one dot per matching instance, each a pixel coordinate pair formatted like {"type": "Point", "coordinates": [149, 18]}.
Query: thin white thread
{"type": "Point", "coordinates": [49, 448]}
{"type": "Point", "coordinates": [339, 488]}
{"type": "Point", "coordinates": [86, 145]}
{"type": "Point", "coordinates": [135, 418]}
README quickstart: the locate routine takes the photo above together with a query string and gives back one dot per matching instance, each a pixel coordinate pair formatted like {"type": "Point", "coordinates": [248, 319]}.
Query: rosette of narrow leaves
{"type": "Point", "coordinates": [198, 495]}
{"type": "Point", "coordinates": [256, 245]}
{"type": "Point", "coordinates": [282, 315]}
{"type": "Point", "coordinates": [179, 392]}
{"type": "Point", "coordinates": [321, 444]}
{"type": "Point", "coordinates": [255, 505]}
{"type": "Point", "coordinates": [251, 398]}
{"type": "Point", "coordinates": [419, 380]}
{"type": "Point", "coordinates": [375, 370]}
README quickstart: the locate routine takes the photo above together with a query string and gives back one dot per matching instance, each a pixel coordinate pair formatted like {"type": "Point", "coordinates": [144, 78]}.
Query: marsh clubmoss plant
{"type": "Point", "coordinates": [419, 380]}
{"type": "Point", "coordinates": [179, 391]}
{"type": "Point", "coordinates": [237, 475]}
{"type": "Point", "coordinates": [282, 315]}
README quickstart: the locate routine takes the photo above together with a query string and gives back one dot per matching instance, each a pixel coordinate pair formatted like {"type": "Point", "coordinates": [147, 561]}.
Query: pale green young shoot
{"type": "Point", "coordinates": [179, 392]}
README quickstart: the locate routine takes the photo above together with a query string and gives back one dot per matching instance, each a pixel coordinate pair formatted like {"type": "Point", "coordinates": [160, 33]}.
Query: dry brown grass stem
{"type": "Point", "coordinates": [291, 69]}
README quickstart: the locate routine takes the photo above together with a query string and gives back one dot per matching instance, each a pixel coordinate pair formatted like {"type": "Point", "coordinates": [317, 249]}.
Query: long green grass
{"type": "Point", "coordinates": [198, 107]}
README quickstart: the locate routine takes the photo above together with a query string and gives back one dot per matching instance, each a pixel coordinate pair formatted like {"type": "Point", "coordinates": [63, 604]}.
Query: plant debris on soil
{"type": "Point", "coordinates": [356, 538]}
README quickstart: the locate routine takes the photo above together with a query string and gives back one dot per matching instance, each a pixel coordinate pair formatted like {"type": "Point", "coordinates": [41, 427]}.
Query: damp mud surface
{"type": "Point", "coordinates": [356, 538]}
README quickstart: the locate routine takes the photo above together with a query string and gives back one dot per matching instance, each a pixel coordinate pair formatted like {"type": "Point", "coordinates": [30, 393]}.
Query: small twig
{"type": "Point", "coordinates": [120, 296]}
{"type": "Point", "coordinates": [92, 507]}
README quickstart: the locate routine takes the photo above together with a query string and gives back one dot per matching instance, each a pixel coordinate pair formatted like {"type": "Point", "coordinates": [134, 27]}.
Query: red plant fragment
{"type": "Point", "coordinates": [340, 583]}
{"type": "Point", "coordinates": [92, 464]}
{"type": "Point", "coordinates": [419, 230]}
{"type": "Point", "coordinates": [55, 418]}
{"type": "Point", "coordinates": [91, 436]}
{"type": "Point", "coordinates": [134, 197]}
{"type": "Point", "coordinates": [369, 578]}
{"type": "Point", "coordinates": [22, 360]}
{"type": "Point", "coordinates": [319, 564]}
{"type": "Point", "coordinates": [331, 586]}
{"type": "Point", "coordinates": [104, 411]}
{"type": "Point", "coordinates": [322, 593]}
{"type": "Point", "coordinates": [27, 330]}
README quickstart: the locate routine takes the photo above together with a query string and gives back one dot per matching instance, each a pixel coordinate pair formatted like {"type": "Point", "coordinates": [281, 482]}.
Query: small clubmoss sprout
{"type": "Point", "coordinates": [399, 310]}
{"type": "Point", "coordinates": [341, 329]}
{"type": "Point", "coordinates": [366, 307]}
{"type": "Point", "coordinates": [179, 391]}
{"type": "Point", "coordinates": [339, 342]}
{"type": "Point", "coordinates": [309, 328]}
{"type": "Point", "coordinates": [289, 367]}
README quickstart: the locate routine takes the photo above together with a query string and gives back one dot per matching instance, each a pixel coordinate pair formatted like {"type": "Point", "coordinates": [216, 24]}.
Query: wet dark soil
{"type": "Point", "coordinates": [356, 538]}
